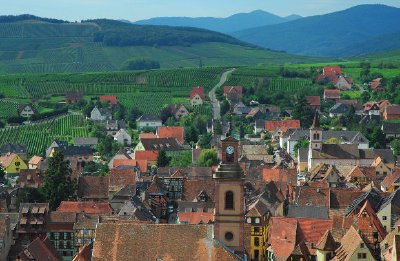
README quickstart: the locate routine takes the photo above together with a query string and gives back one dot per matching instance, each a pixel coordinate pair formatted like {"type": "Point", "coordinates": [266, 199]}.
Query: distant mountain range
{"type": "Point", "coordinates": [355, 31]}
{"type": "Point", "coordinates": [227, 25]}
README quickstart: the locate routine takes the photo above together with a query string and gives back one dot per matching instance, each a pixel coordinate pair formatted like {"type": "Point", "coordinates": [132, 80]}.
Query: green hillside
{"type": "Point", "coordinates": [36, 46]}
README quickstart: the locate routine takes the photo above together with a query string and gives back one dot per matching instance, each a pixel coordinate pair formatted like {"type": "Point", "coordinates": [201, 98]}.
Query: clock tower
{"type": "Point", "coordinates": [229, 197]}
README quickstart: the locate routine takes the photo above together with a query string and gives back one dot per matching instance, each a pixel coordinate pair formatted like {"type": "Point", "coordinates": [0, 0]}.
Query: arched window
{"type": "Point", "coordinates": [229, 200]}
{"type": "Point", "coordinates": [315, 136]}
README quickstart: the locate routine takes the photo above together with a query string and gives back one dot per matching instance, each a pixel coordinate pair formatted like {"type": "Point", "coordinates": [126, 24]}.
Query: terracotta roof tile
{"type": "Point", "coordinates": [171, 132]}
{"type": "Point", "coordinates": [146, 135]}
{"type": "Point", "coordinates": [148, 242]}
{"type": "Point", "coordinates": [391, 178]}
{"type": "Point", "coordinates": [283, 125]}
{"type": "Point", "coordinates": [313, 100]}
{"type": "Point", "coordinates": [197, 90]}
{"type": "Point", "coordinates": [40, 250]}
{"type": "Point", "coordinates": [120, 178]}
{"type": "Point", "coordinates": [196, 218]}
{"type": "Point", "coordinates": [149, 155]}
{"type": "Point", "coordinates": [6, 160]}
{"type": "Point", "coordinates": [193, 188]}
{"type": "Point", "coordinates": [332, 70]}
{"type": "Point", "coordinates": [111, 99]}
{"type": "Point", "coordinates": [93, 187]}
{"type": "Point", "coordinates": [88, 207]}
{"type": "Point", "coordinates": [282, 236]}
{"type": "Point", "coordinates": [35, 160]}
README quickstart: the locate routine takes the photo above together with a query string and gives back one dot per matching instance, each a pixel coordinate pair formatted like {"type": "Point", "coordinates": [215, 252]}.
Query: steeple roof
{"type": "Point", "coordinates": [316, 121]}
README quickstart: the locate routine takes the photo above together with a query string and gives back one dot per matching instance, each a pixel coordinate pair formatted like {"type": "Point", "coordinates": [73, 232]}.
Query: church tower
{"type": "Point", "coordinates": [315, 134]}
{"type": "Point", "coordinates": [229, 197]}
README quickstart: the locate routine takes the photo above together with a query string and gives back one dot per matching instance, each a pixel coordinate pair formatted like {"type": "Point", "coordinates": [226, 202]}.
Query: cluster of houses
{"type": "Point", "coordinates": [336, 199]}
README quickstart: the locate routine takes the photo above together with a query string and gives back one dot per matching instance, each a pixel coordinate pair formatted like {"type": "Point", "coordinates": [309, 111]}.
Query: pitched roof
{"type": "Point", "coordinates": [373, 218]}
{"type": "Point", "coordinates": [311, 196]}
{"type": "Point", "coordinates": [88, 207]}
{"type": "Point", "coordinates": [332, 93]}
{"type": "Point", "coordinates": [145, 135]}
{"type": "Point", "coordinates": [313, 100]}
{"type": "Point", "coordinates": [196, 218]}
{"type": "Point", "coordinates": [7, 159]}
{"type": "Point", "coordinates": [171, 132]}
{"type": "Point", "coordinates": [233, 89]}
{"type": "Point", "coordinates": [349, 243]}
{"type": "Point", "coordinates": [131, 163]}
{"type": "Point", "coordinates": [311, 230]}
{"type": "Point", "coordinates": [82, 141]}
{"type": "Point", "coordinates": [35, 160]}
{"type": "Point", "coordinates": [60, 217]}
{"type": "Point", "coordinates": [122, 177]}
{"type": "Point", "coordinates": [148, 117]}
{"type": "Point", "coordinates": [391, 178]}
{"type": "Point", "coordinates": [391, 128]}
{"type": "Point", "coordinates": [193, 188]}
{"type": "Point", "coordinates": [85, 253]}
{"type": "Point", "coordinates": [112, 99]}
{"type": "Point", "coordinates": [326, 243]}
{"type": "Point", "coordinates": [166, 144]}
{"type": "Point", "coordinates": [40, 249]}
{"type": "Point", "coordinates": [21, 107]}
{"type": "Point", "coordinates": [332, 70]}
{"type": "Point", "coordinates": [149, 155]}
{"type": "Point", "coordinates": [284, 125]}
{"type": "Point", "coordinates": [305, 211]}
{"type": "Point", "coordinates": [372, 196]}
{"type": "Point", "coordinates": [282, 236]}
{"type": "Point", "coordinates": [147, 242]}
{"type": "Point", "coordinates": [93, 187]}
{"type": "Point", "coordinates": [197, 91]}
{"type": "Point", "coordinates": [394, 109]}
{"type": "Point", "coordinates": [13, 148]}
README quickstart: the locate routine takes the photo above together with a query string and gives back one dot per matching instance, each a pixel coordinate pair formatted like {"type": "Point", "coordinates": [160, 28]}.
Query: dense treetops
{"type": "Point", "coordinates": [28, 17]}
{"type": "Point", "coordinates": [115, 33]}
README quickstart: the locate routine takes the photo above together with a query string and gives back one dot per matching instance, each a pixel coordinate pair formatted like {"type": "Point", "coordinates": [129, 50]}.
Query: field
{"type": "Point", "coordinates": [38, 136]}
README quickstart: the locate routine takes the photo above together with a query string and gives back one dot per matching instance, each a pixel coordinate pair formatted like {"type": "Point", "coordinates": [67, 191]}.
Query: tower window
{"type": "Point", "coordinates": [228, 236]}
{"type": "Point", "coordinates": [229, 200]}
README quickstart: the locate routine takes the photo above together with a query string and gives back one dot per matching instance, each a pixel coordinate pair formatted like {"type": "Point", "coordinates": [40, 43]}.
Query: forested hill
{"type": "Point", "coordinates": [30, 44]}
{"type": "Point", "coordinates": [116, 33]}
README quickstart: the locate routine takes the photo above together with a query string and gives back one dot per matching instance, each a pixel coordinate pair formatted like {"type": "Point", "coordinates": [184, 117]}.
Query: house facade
{"type": "Point", "coordinates": [13, 163]}
{"type": "Point", "coordinates": [197, 96]}
{"type": "Point", "coordinates": [148, 121]}
{"type": "Point", "coordinates": [101, 114]}
{"type": "Point", "coordinates": [26, 111]}
{"type": "Point", "coordinates": [123, 137]}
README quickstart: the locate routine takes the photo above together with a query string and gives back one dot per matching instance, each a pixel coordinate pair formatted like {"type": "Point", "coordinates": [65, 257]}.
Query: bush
{"type": "Point", "coordinates": [141, 64]}
{"type": "Point", "coordinates": [45, 115]}
{"type": "Point", "coordinates": [16, 120]}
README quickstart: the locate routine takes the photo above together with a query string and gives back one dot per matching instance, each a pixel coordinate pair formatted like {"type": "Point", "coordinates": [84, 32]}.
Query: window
{"type": "Point", "coordinates": [17, 163]}
{"type": "Point", "coordinates": [228, 236]}
{"type": "Point", "coordinates": [257, 220]}
{"type": "Point", "coordinates": [248, 220]}
{"type": "Point", "coordinates": [256, 254]}
{"type": "Point", "coordinates": [257, 241]}
{"type": "Point", "coordinates": [384, 218]}
{"type": "Point", "coordinates": [362, 245]}
{"type": "Point", "coordinates": [256, 229]}
{"type": "Point", "coordinates": [362, 256]}
{"type": "Point", "coordinates": [229, 200]}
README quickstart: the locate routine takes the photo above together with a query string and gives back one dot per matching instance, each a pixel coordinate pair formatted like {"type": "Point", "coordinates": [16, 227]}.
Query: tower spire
{"type": "Point", "coordinates": [316, 121]}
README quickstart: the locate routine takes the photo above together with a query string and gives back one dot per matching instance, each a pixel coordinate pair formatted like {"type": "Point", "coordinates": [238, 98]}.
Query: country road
{"type": "Point", "coordinates": [214, 102]}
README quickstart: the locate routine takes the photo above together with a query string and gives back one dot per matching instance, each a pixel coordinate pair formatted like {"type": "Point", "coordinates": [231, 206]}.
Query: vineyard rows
{"type": "Point", "coordinates": [8, 108]}
{"type": "Point", "coordinates": [37, 137]}
{"type": "Point", "coordinates": [106, 83]}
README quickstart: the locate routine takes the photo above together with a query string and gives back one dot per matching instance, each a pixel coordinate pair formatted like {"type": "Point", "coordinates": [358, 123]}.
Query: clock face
{"type": "Point", "coordinates": [230, 150]}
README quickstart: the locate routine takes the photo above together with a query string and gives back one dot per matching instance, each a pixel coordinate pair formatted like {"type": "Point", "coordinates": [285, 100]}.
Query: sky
{"type": "Point", "coordinates": [76, 10]}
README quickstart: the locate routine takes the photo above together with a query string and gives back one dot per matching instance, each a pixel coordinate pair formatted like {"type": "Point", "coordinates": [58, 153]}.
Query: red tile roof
{"type": "Point", "coordinates": [196, 218]}
{"type": "Point", "coordinates": [40, 250]}
{"type": "Point", "coordinates": [283, 125]}
{"type": "Point", "coordinates": [282, 236]}
{"type": "Point", "coordinates": [312, 230]}
{"type": "Point", "coordinates": [111, 99]}
{"type": "Point", "coordinates": [332, 70]}
{"type": "Point", "coordinates": [122, 177]}
{"type": "Point", "coordinates": [89, 207]}
{"type": "Point", "coordinates": [373, 219]}
{"type": "Point", "coordinates": [234, 89]}
{"type": "Point", "coordinates": [145, 135]}
{"type": "Point", "coordinates": [141, 164]}
{"type": "Point", "coordinates": [394, 109]}
{"type": "Point", "coordinates": [157, 242]}
{"type": "Point", "coordinates": [313, 100]}
{"type": "Point", "coordinates": [93, 187]}
{"type": "Point", "coordinates": [171, 132]}
{"type": "Point", "coordinates": [149, 155]}
{"type": "Point", "coordinates": [332, 91]}
{"type": "Point", "coordinates": [197, 90]}
{"type": "Point", "coordinates": [390, 179]}
{"type": "Point", "coordinates": [376, 83]}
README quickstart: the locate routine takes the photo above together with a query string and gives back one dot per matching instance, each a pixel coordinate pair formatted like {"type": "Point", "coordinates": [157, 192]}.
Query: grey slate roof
{"type": "Point", "coordinates": [374, 198]}
{"type": "Point", "coordinates": [13, 148]}
{"type": "Point", "coordinates": [82, 141]}
{"type": "Point", "coordinates": [345, 136]}
{"type": "Point", "coordinates": [304, 211]}
{"type": "Point", "coordinates": [386, 155]}
{"type": "Point", "coordinates": [391, 128]}
{"type": "Point", "coordinates": [393, 198]}
{"type": "Point", "coordinates": [339, 108]}
{"type": "Point", "coordinates": [148, 117]}
{"type": "Point", "coordinates": [166, 144]}
{"type": "Point", "coordinates": [303, 154]}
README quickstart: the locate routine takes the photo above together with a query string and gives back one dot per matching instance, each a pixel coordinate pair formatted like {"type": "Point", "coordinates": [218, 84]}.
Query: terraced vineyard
{"type": "Point", "coordinates": [8, 108]}
{"type": "Point", "coordinates": [147, 102]}
{"type": "Point", "coordinates": [38, 136]}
